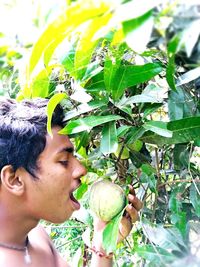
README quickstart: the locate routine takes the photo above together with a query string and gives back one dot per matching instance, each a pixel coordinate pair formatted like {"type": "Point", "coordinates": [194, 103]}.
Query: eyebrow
{"type": "Point", "coordinates": [67, 149]}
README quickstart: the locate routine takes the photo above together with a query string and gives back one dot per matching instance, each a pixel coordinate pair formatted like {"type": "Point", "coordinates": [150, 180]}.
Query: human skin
{"type": "Point", "coordinates": [25, 201]}
{"type": "Point", "coordinates": [131, 216]}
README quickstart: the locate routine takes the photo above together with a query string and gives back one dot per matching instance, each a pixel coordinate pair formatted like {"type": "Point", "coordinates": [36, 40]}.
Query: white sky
{"type": "Point", "coordinates": [16, 16]}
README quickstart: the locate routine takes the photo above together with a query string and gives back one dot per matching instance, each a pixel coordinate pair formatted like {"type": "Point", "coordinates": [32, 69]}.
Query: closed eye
{"type": "Point", "coordinates": [64, 162]}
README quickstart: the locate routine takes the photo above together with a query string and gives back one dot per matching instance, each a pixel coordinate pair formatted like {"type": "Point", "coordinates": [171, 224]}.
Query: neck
{"type": "Point", "coordinates": [14, 228]}
{"type": "Point", "coordinates": [12, 247]}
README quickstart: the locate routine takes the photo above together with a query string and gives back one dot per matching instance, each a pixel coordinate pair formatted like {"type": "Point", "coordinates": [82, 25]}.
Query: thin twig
{"type": "Point", "coordinates": [71, 226]}
{"type": "Point", "coordinates": [157, 185]}
{"type": "Point", "coordinates": [155, 248]}
{"type": "Point", "coordinates": [189, 170]}
{"type": "Point", "coordinates": [129, 245]}
{"type": "Point", "coordinates": [68, 242]}
{"type": "Point", "coordinates": [180, 181]}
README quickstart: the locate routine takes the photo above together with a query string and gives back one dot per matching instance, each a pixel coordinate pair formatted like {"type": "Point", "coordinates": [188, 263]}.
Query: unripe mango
{"type": "Point", "coordinates": [125, 152]}
{"type": "Point", "coordinates": [136, 146]}
{"type": "Point", "coordinates": [106, 200]}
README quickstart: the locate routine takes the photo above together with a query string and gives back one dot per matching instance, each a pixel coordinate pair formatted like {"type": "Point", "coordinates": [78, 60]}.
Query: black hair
{"type": "Point", "coordinates": [23, 130]}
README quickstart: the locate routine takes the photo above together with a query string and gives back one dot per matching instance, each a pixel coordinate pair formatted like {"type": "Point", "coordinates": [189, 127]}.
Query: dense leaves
{"type": "Point", "coordinates": [127, 74]}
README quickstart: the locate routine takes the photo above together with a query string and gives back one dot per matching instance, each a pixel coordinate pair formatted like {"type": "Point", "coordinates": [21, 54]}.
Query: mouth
{"type": "Point", "coordinates": [76, 205]}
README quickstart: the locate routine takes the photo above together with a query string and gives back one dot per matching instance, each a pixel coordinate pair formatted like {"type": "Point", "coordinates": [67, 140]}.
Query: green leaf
{"type": "Point", "coordinates": [134, 134]}
{"type": "Point", "coordinates": [153, 253]}
{"type": "Point", "coordinates": [139, 29]}
{"type": "Point", "coordinates": [83, 140]}
{"type": "Point", "coordinates": [110, 233]}
{"type": "Point", "coordinates": [53, 102]}
{"type": "Point", "coordinates": [172, 49]}
{"type": "Point", "coordinates": [179, 220]}
{"type": "Point", "coordinates": [93, 69]}
{"type": "Point", "coordinates": [195, 198]}
{"type": "Point", "coordinates": [181, 104]}
{"type": "Point", "coordinates": [150, 108]}
{"type": "Point", "coordinates": [40, 85]}
{"type": "Point", "coordinates": [112, 65]}
{"type": "Point", "coordinates": [197, 142]}
{"type": "Point", "coordinates": [170, 72]}
{"type": "Point", "coordinates": [96, 83]}
{"type": "Point", "coordinates": [175, 204]}
{"type": "Point", "coordinates": [131, 75]}
{"type": "Point", "coordinates": [181, 156]}
{"type": "Point", "coordinates": [109, 142]}
{"type": "Point", "coordinates": [122, 130]}
{"type": "Point", "coordinates": [190, 127]}
{"type": "Point", "coordinates": [158, 127]}
{"type": "Point", "coordinates": [142, 99]}
{"type": "Point", "coordinates": [162, 237]}
{"type": "Point", "coordinates": [150, 180]}
{"type": "Point", "coordinates": [148, 169]}
{"type": "Point", "coordinates": [125, 108]}
{"type": "Point", "coordinates": [185, 130]}
{"type": "Point", "coordinates": [138, 159]}
{"type": "Point", "coordinates": [110, 71]}
{"type": "Point", "coordinates": [83, 108]}
{"type": "Point", "coordinates": [174, 45]}
{"type": "Point", "coordinates": [80, 191]}
{"type": "Point", "coordinates": [87, 123]}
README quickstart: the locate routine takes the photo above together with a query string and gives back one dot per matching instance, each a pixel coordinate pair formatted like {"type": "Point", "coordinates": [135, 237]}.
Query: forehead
{"type": "Point", "coordinates": [57, 142]}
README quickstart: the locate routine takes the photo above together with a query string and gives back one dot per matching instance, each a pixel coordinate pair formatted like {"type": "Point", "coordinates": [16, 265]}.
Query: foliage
{"type": "Point", "coordinates": [126, 72]}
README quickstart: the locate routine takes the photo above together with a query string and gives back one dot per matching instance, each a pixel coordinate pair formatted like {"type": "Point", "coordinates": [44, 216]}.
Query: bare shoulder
{"type": "Point", "coordinates": [40, 233]}
{"type": "Point", "coordinates": [40, 248]}
{"type": "Point", "coordinates": [39, 237]}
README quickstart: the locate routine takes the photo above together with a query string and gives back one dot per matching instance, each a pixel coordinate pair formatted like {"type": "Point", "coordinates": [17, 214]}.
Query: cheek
{"type": "Point", "coordinates": [56, 180]}
{"type": "Point", "coordinates": [61, 184]}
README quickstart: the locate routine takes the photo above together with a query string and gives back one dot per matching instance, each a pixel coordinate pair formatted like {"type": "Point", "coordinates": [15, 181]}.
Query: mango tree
{"type": "Point", "coordinates": [127, 75]}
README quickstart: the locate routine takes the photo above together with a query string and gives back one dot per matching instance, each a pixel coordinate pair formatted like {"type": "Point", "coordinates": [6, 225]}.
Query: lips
{"type": "Point", "coordinates": [73, 198]}
{"type": "Point", "coordinates": [76, 205]}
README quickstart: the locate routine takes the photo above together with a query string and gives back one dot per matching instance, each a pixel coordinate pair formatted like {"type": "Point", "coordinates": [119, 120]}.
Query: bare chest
{"type": "Point", "coordinates": [38, 257]}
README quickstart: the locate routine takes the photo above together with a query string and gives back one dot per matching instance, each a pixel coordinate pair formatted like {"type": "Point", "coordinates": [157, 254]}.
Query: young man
{"type": "Point", "coordinates": [38, 175]}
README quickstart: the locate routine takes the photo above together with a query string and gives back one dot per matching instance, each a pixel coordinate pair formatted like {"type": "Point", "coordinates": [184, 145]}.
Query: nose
{"type": "Point", "coordinates": [78, 169]}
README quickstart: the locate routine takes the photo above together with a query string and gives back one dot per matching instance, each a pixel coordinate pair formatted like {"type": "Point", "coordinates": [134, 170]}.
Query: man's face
{"type": "Point", "coordinates": [59, 174]}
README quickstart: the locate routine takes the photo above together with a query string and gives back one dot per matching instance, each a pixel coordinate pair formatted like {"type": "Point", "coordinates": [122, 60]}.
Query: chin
{"type": "Point", "coordinates": [60, 219]}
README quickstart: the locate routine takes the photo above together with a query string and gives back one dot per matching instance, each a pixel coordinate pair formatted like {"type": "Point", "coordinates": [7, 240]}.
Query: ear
{"type": "Point", "coordinates": [12, 181]}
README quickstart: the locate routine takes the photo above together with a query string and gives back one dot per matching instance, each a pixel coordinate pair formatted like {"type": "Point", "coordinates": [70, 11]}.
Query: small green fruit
{"type": "Point", "coordinates": [125, 152]}
{"type": "Point", "coordinates": [106, 200]}
{"type": "Point", "coordinates": [136, 146]}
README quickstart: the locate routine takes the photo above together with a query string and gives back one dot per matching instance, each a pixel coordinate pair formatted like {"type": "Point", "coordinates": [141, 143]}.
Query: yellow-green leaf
{"type": "Point", "coordinates": [87, 43]}
{"type": "Point", "coordinates": [53, 102]}
{"type": "Point", "coordinates": [40, 85]}
{"type": "Point", "coordinates": [75, 15]}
